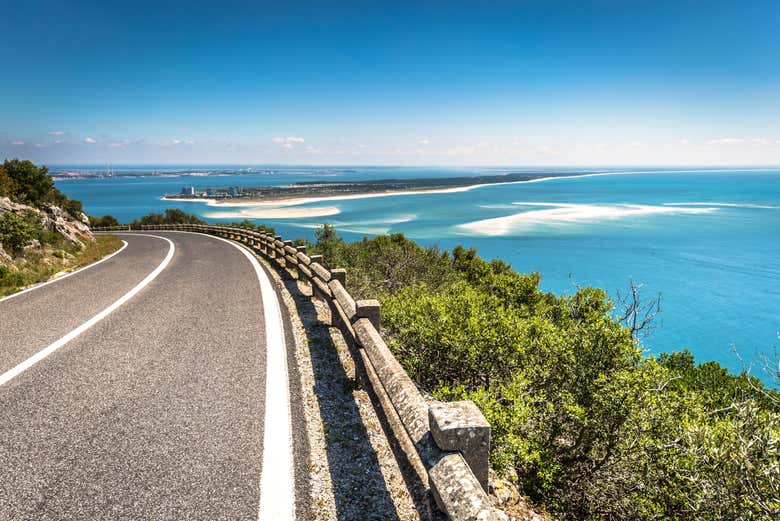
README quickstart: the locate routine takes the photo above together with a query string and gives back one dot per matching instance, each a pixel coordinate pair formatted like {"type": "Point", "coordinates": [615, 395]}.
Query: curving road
{"type": "Point", "coordinates": [152, 385]}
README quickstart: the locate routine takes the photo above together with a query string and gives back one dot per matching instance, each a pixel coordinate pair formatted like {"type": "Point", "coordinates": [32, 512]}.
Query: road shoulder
{"type": "Point", "coordinates": [345, 465]}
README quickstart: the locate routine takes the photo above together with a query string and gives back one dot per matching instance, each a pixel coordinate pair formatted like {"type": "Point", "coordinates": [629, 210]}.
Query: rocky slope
{"type": "Point", "coordinates": [53, 219]}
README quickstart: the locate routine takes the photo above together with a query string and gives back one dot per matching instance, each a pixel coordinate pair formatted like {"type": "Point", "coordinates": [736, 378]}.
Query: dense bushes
{"type": "Point", "coordinates": [581, 419]}
{"type": "Point", "coordinates": [171, 216]}
{"type": "Point", "coordinates": [103, 222]}
{"type": "Point", "coordinates": [26, 183]}
{"type": "Point", "coordinates": [385, 263]}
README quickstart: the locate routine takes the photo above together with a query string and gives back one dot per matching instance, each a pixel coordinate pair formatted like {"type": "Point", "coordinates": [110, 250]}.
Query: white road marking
{"type": "Point", "coordinates": [65, 276]}
{"type": "Point", "coordinates": [277, 486]}
{"type": "Point", "coordinates": [40, 355]}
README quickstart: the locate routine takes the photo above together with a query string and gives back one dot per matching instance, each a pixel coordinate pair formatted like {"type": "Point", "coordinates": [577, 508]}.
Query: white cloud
{"type": "Point", "coordinates": [424, 141]}
{"type": "Point", "coordinates": [17, 143]}
{"type": "Point", "coordinates": [761, 141]}
{"type": "Point", "coordinates": [89, 141]}
{"type": "Point", "coordinates": [56, 132]}
{"type": "Point", "coordinates": [176, 141]}
{"type": "Point", "coordinates": [685, 141]}
{"type": "Point", "coordinates": [288, 140]}
{"type": "Point", "coordinates": [288, 146]}
{"type": "Point", "coordinates": [57, 141]}
{"type": "Point", "coordinates": [726, 141]}
{"type": "Point", "coordinates": [636, 143]}
{"type": "Point", "coordinates": [119, 143]}
{"type": "Point", "coordinates": [40, 145]}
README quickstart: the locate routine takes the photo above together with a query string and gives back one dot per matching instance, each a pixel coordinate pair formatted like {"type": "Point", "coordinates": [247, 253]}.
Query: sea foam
{"type": "Point", "coordinates": [564, 214]}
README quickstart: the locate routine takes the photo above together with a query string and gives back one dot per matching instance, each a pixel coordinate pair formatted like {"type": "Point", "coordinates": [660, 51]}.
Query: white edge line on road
{"type": "Point", "coordinates": [40, 355]}
{"type": "Point", "coordinates": [277, 484]}
{"type": "Point", "coordinates": [65, 276]}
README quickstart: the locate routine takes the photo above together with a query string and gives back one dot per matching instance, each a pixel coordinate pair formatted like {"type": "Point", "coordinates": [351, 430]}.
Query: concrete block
{"type": "Point", "coordinates": [344, 299]}
{"type": "Point", "coordinates": [371, 310]}
{"type": "Point", "coordinates": [461, 426]}
{"type": "Point", "coordinates": [409, 404]}
{"type": "Point", "coordinates": [303, 258]}
{"type": "Point", "coordinates": [458, 493]}
{"type": "Point", "coordinates": [321, 272]}
{"type": "Point", "coordinates": [339, 274]}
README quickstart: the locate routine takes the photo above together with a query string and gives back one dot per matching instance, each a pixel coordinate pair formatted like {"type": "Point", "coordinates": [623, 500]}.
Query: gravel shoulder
{"type": "Point", "coordinates": [350, 466]}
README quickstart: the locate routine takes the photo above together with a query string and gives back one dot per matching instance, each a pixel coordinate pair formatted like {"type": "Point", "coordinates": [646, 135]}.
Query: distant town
{"type": "Point", "coordinates": [190, 192]}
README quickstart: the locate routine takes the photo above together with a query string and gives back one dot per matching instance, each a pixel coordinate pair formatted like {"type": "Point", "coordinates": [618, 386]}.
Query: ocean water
{"type": "Point", "coordinates": [707, 241]}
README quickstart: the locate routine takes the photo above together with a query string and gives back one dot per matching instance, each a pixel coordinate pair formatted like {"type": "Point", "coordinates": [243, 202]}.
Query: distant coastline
{"type": "Point", "coordinates": [304, 193]}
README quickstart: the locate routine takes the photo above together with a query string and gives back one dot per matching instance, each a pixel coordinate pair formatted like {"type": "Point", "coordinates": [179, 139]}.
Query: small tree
{"type": "Point", "coordinates": [636, 315]}
{"type": "Point", "coordinates": [33, 184]}
{"type": "Point", "coordinates": [329, 245]}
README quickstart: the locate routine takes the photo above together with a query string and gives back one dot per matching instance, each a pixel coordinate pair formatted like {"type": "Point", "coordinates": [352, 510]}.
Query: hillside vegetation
{"type": "Point", "coordinates": [583, 421]}
{"type": "Point", "coordinates": [42, 231]}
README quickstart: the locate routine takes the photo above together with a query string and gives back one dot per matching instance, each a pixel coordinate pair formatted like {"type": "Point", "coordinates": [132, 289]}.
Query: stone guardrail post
{"type": "Point", "coordinates": [339, 274]}
{"type": "Point", "coordinates": [371, 310]}
{"type": "Point", "coordinates": [461, 427]}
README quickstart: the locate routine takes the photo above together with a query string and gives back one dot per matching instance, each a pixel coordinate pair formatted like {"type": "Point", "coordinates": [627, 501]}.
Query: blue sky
{"type": "Point", "coordinates": [458, 83]}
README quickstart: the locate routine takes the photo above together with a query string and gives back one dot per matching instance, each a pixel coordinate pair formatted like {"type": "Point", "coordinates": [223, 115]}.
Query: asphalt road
{"type": "Point", "coordinates": [158, 409]}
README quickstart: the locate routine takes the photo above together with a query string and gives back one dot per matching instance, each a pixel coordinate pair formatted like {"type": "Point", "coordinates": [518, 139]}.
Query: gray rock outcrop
{"type": "Point", "coordinates": [53, 218]}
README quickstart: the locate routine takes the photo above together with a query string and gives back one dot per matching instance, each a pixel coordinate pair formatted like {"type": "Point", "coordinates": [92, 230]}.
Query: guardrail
{"type": "Point", "coordinates": [120, 228]}
{"type": "Point", "coordinates": [452, 439]}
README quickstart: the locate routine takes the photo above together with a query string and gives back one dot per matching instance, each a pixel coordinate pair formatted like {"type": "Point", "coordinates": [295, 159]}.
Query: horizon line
{"type": "Point", "coordinates": [390, 165]}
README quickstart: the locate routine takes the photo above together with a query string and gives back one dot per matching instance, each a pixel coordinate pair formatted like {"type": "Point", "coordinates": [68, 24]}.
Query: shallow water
{"type": "Point", "coordinates": [708, 241]}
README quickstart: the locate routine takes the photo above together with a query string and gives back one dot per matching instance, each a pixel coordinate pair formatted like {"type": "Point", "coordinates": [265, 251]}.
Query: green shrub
{"type": "Point", "coordinates": [384, 264]}
{"type": "Point", "coordinates": [18, 230]}
{"type": "Point", "coordinates": [10, 278]}
{"type": "Point", "coordinates": [7, 184]}
{"type": "Point", "coordinates": [74, 208]}
{"type": "Point", "coordinates": [105, 221]}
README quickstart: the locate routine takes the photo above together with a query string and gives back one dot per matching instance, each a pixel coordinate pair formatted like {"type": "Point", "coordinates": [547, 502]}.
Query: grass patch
{"type": "Point", "coordinates": [35, 267]}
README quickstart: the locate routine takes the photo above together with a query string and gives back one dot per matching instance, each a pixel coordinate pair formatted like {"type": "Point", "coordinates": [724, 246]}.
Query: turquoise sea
{"type": "Point", "coordinates": [707, 240]}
